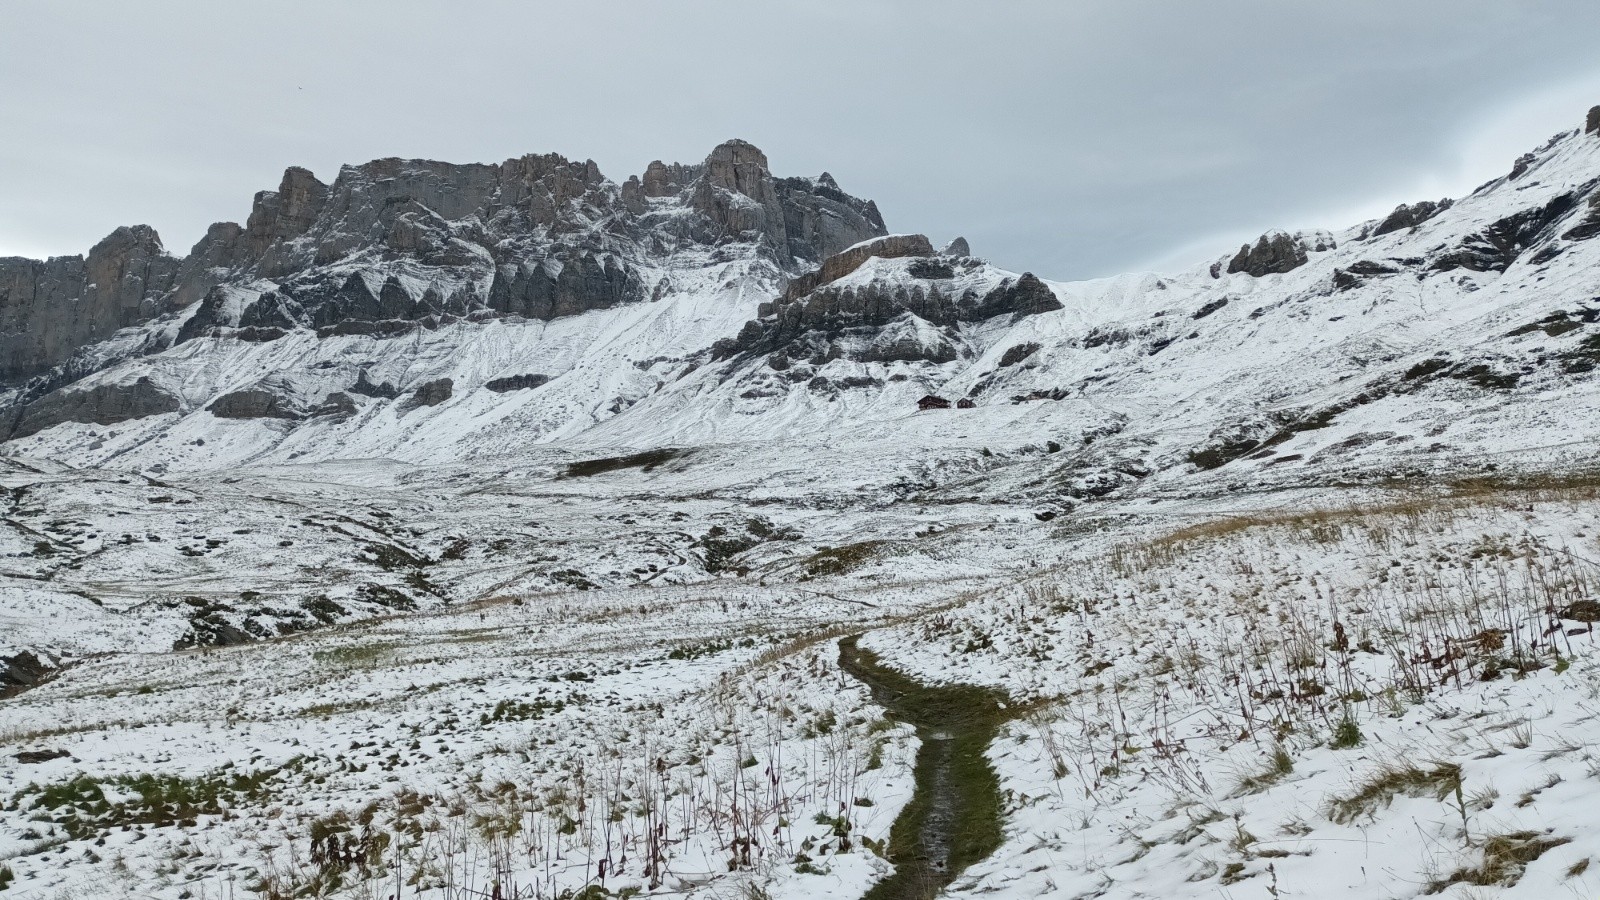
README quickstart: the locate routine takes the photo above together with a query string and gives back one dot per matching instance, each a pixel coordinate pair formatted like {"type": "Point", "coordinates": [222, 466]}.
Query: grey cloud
{"type": "Point", "coordinates": [1069, 138]}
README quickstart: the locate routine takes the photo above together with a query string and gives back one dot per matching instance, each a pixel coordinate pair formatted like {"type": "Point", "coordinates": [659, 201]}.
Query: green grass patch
{"type": "Point", "coordinates": [646, 461]}
{"type": "Point", "coordinates": [86, 807]}
{"type": "Point", "coordinates": [355, 657]}
{"type": "Point", "coordinates": [840, 560]}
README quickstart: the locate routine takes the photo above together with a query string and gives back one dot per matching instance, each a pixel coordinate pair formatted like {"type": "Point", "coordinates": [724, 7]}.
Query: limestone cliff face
{"type": "Point", "coordinates": [396, 244]}
{"type": "Point", "coordinates": [50, 308]}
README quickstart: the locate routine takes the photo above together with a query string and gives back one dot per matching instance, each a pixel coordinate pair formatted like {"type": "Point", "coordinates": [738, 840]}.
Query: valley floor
{"type": "Point", "coordinates": [1315, 694]}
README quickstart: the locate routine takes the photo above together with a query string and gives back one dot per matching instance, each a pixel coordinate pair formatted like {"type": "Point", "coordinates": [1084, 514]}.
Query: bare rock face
{"type": "Point", "coordinates": [431, 393]}
{"type": "Point", "coordinates": [1592, 126]}
{"type": "Point", "coordinates": [105, 404]}
{"type": "Point", "coordinates": [802, 219]}
{"type": "Point", "coordinates": [50, 308]}
{"type": "Point", "coordinates": [253, 403]}
{"type": "Point", "coordinates": [1274, 254]}
{"type": "Point", "coordinates": [957, 247]}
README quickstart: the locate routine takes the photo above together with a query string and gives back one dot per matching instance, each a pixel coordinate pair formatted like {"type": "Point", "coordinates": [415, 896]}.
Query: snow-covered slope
{"type": "Point", "coordinates": [484, 528]}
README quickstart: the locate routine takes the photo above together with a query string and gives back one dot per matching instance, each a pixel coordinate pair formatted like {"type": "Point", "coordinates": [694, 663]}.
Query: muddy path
{"type": "Point", "coordinates": [954, 817]}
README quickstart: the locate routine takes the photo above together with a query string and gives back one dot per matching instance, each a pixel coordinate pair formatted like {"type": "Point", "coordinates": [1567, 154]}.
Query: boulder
{"type": "Point", "coordinates": [22, 671]}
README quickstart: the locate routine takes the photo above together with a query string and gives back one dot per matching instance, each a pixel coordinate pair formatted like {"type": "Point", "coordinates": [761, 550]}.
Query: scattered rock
{"type": "Point", "coordinates": [30, 757]}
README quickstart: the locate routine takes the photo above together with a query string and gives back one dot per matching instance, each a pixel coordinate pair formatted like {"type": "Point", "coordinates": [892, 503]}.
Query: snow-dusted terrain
{"type": "Point", "coordinates": [345, 569]}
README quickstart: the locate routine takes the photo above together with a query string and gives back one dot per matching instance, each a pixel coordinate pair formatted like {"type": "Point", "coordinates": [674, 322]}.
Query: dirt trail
{"type": "Point", "coordinates": [953, 818]}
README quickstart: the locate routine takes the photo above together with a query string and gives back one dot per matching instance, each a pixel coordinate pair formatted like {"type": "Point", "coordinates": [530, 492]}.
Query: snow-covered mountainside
{"type": "Point", "coordinates": [457, 528]}
{"type": "Point", "coordinates": [424, 312]}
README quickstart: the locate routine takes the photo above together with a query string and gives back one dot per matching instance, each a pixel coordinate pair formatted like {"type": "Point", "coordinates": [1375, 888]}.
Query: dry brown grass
{"type": "Point", "coordinates": [1505, 858]}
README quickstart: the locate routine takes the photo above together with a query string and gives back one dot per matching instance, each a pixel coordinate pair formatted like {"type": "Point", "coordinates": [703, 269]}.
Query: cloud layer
{"type": "Point", "coordinates": [1072, 139]}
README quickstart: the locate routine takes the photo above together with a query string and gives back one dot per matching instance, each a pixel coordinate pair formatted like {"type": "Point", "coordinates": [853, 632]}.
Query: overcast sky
{"type": "Point", "coordinates": [1072, 138]}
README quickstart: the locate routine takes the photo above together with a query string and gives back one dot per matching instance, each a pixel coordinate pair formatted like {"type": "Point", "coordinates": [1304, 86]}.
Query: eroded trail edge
{"type": "Point", "coordinates": [954, 816]}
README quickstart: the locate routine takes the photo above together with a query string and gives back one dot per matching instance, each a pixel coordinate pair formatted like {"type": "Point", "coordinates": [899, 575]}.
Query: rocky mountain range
{"type": "Point", "coordinates": [423, 310]}
{"type": "Point", "coordinates": [397, 245]}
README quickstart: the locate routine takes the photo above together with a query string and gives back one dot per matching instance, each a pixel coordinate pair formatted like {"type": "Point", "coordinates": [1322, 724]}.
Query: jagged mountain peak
{"type": "Point", "coordinates": [395, 243]}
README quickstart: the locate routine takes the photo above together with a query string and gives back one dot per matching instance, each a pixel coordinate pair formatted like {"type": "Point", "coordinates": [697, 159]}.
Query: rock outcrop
{"type": "Point", "coordinates": [516, 383]}
{"type": "Point", "coordinates": [1589, 226]}
{"type": "Point", "coordinates": [1273, 254]}
{"type": "Point", "coordinates": [894, 246]}
{"type": "Point", "coordinates": [1498, 245]}
{"type": "Point", "coordinates": [104, 404]}
{"type": "Point", "coordinates": [22, 671]}
{"type": "Point", "coordinates": [806, 323]}
{"type": "Point", "coordinates": [1592, 126]}
{"type": "Point", "coordinates": [431, 393]}
{"type": "Point", "coordinates": [1410, 215]}
{"type": "Point", "coordinates": [253, 403]}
